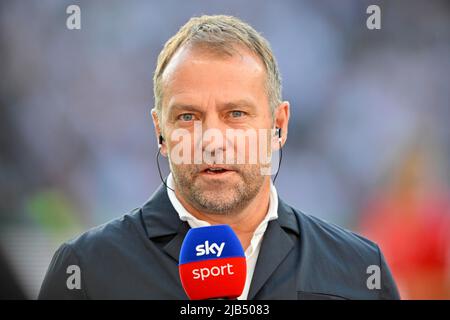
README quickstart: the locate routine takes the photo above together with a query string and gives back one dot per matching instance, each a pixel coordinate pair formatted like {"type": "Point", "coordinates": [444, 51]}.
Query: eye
{"type": "Point", "coordinates": [186, 117]}
{"type": "Point", "coordinates": [237, 113]}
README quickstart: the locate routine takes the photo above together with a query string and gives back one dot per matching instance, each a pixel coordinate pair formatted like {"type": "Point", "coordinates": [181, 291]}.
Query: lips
{"type": "Point", "coordinates": [216, 169]}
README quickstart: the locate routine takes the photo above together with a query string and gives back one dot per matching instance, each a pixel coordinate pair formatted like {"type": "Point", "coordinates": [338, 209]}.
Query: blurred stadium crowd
{"type": "Point", "coordinates": [369, 137]}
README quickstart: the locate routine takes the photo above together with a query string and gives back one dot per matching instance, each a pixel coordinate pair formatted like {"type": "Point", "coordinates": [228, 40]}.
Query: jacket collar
{"type": "Point", "coordinates": [160, 217]}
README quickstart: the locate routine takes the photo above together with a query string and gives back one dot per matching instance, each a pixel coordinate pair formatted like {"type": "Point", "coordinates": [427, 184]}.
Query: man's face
{"type": "Point", "coordinates": [216, 93]}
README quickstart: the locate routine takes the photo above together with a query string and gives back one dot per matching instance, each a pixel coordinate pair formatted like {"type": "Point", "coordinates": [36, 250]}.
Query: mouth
{"type": "Point", "coordinates": [216, 170]}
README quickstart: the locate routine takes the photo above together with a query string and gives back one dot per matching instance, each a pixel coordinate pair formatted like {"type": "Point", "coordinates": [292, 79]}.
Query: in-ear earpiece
{"type": "Point", "coordinates": [160, 140]}
{"type": "Point", "coordinates": [279, 134]}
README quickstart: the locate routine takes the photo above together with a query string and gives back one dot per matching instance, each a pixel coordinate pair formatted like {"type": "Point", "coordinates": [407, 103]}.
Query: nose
{"type": "Point", "coordinates": [213, 142]}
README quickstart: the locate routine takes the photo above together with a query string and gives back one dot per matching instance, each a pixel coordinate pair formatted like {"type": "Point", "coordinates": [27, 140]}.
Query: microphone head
{"type": "Point", "coordinates": [212, 263]}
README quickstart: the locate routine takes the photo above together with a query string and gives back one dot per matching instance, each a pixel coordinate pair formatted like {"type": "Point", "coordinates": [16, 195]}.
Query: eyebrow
{"type": "Point", "coordinates": [242, 103]}
{"type": "Point", "coordinates": [185, 107]}
{"type": "Point", "coordinates": [239, 104]}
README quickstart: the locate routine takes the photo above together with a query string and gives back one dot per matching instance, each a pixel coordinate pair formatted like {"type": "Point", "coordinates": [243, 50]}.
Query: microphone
{"type": "Point", "coordinates": [212, 263]}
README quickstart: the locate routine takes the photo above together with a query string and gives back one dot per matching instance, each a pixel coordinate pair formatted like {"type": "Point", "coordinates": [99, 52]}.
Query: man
{"type": "Point", "coordinates": [217, 74]}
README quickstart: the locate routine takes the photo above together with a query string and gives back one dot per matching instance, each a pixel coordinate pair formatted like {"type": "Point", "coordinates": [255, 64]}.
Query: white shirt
{"type": "Point", "coordinates": [252, 251]}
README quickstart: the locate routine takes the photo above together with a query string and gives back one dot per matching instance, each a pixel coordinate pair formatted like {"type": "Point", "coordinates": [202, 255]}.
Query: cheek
{"type": "Point", "coordinates": [256, 149]}
{"type": "Point", "coordinates": [181, 147]}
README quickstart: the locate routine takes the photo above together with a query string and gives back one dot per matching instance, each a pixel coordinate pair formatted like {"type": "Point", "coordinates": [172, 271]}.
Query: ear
{"type": "Point", "coordinates": [281, 120]}
{"type": "Point", "coordinates": [158, 132]}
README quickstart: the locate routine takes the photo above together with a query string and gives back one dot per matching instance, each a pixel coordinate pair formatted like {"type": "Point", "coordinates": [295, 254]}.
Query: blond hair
{"type": "Point", "coordinates": [219, 33]}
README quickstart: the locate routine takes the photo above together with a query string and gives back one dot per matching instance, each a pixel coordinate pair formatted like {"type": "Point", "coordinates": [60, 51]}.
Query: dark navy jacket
{"type": "Point", "coordinates": [136, 257]}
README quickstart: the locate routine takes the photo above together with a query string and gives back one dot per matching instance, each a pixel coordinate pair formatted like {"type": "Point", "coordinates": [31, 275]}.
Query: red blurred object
{"type": "Point", "coordinates": [411, 224]}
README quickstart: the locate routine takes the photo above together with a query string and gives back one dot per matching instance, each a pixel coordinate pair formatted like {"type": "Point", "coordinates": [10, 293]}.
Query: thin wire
{"type": "Point", "coordinates": [159, 170]}
{"type": "Point", "coordinates": [279, 162]}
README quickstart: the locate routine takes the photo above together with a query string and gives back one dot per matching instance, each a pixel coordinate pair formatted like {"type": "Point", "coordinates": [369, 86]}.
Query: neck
{"type": "Point", "coordinates": [243, 222]}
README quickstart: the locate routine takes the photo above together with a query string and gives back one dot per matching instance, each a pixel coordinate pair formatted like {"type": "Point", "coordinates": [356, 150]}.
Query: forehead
{"type": "Point", "coordinates": [199, 72]}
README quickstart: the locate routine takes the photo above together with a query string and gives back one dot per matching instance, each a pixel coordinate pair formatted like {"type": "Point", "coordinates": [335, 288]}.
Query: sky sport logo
{"type": "Point", "coordinates": [215, 271]}
{"type": "Point", "coordinates": [207, 248]}
{"type": "Point", "coordinates": [212, 263]}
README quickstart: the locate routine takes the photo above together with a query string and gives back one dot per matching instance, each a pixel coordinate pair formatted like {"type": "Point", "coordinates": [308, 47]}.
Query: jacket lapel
{"type": "Point", "coordinates": [161, 220]}
{"type": "Point", "coordinates": [275, 246]}
{"type": "Point", "coordinates": [173, 247]}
